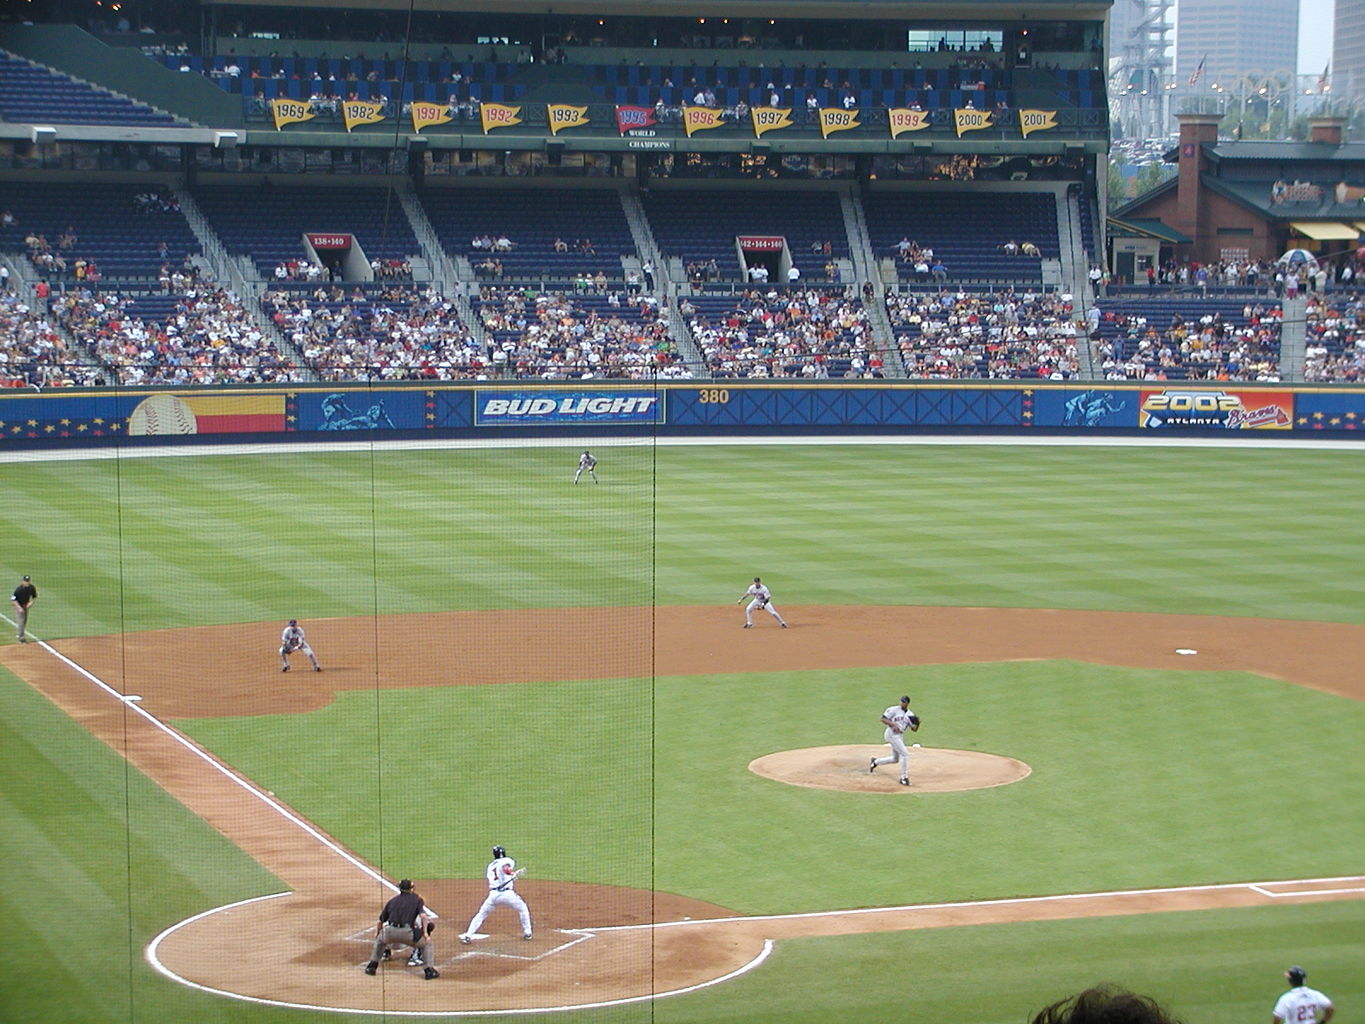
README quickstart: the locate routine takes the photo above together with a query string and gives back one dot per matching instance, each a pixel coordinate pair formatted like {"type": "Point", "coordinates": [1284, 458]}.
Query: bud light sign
{"type": "Point", "coordinates": [522, 408]}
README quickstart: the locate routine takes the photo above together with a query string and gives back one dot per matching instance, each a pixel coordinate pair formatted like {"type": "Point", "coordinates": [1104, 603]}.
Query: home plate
{"type": "Point", "coordinates": [471, 936]}
{"type": "Point", "coordinates": [1185, 650]}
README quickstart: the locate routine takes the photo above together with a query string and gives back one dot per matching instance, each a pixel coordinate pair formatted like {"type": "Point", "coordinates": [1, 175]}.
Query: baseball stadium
{"type": "Point", "coordinates": [527, 455]}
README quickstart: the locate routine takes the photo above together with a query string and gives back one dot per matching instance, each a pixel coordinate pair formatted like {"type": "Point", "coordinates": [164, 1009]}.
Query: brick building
{"type": "Point", "coordinates": [1253, 199]}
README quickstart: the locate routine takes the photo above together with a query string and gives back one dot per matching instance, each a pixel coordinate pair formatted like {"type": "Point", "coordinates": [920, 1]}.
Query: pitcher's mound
{"type": "Point", "coordinates": [932, 770]}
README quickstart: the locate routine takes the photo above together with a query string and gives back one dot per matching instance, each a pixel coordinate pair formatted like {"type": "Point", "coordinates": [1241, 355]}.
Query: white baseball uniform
{"type": "Point", "coordinates": [586, 462]}
{"type": "Point", "coordinates": [292, 639]}
{"type": "Point", "coordinates": [502, 876]}
{"type": "Point", "coordinates": [761, 598]}
{"type": "Point", "coordinates": [1301, 1005]}
{"type": "Point", "coordinates": [897, 719]}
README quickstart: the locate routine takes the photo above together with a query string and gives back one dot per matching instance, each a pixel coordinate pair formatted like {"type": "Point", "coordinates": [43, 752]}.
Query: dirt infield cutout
{"type": "Point", "coordinates": [931, 770]}
{"type": "Point", "coordinates": [594, 945]}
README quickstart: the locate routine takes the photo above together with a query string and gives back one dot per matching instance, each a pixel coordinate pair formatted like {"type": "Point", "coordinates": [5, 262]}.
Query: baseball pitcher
{"type": "Point", "coordinates": [897, 719]}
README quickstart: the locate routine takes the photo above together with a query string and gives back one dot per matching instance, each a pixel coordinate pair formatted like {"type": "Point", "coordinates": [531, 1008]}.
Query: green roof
{"type": "Point", "coordinates": [1255, 195]}
{"type": "Point", "coordinates": [1151, 227]}
{"type": "Point", "coordinates": [1316, 151]}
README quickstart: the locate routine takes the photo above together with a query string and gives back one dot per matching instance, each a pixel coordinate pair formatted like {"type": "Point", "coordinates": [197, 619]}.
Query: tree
{"type": "Point", "coordinates": [1118, 186]}
{"type": "Point", "coordinates": [1153, 175]}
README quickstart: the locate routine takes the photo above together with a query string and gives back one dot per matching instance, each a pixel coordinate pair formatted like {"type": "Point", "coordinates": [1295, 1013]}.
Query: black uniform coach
{"type": "Point", "coordinates": [23, 597]}
{"type": "Point", "coordinates": [403, 921]}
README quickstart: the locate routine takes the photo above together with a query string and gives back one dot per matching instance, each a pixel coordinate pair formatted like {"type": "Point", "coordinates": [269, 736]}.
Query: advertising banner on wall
{"type": "Point", "coordinates": [512, 408]}
{"type": "Point", "coordinates": [1216, 408]}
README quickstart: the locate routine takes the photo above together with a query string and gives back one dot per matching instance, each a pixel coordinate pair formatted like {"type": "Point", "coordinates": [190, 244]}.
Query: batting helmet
{"type": "Point", "coordinates": [1296, 975]}
{"type": "Point", "coordinates": [499, 852]}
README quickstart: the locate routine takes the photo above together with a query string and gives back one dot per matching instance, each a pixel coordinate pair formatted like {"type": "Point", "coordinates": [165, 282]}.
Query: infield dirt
{"type": "Point", "coordinates": [587, 948]}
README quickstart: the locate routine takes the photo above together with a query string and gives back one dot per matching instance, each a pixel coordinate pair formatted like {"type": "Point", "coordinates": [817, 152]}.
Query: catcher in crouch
{"type": "Point", "coordinates": [291, 640]}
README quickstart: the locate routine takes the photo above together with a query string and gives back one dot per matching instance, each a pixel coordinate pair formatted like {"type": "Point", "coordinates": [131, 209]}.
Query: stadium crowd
{"type": "Point", "coordinates": [1334, 349]}
{"type": "Point", "coordinates": [554, 336]}
{"type": "Point", "coordinates": [33, 354]}
{"type": "Point", "coordinates": [399, 333]}
{"type": "Point", "coordinates": [807, 332]}
{"type": "Point", "coordinates": [208, 337]}
{"type": "Point", "coordinates": [1001, 336]}
{"type": "Point", "coordinates": [1203, 348]}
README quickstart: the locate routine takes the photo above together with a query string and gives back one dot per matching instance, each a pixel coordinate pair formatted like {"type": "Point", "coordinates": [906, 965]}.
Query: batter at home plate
{"type": "Point", "coordinates": [502, 874]}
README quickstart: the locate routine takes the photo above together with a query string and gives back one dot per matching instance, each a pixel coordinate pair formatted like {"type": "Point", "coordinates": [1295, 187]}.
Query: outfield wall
{"type": "Point", "coordinates": [81, 417]}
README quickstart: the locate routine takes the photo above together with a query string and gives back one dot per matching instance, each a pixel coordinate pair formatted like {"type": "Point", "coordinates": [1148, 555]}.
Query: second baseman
{"type": "Point", "coordinates": [760, 598]}
{"type": "Point", "coordinates": [897, 719]}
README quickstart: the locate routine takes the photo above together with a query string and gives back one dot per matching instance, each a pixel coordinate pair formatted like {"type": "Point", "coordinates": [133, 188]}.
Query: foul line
{"type": "Point", "coordinates": [133, 703]}
{"type": "Point", "coordinates": [1257, 887]}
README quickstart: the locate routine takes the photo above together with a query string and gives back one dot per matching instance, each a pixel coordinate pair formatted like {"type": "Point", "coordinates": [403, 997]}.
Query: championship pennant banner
{"type": "Point", "coordinates": [770, 119]}
{"type": "Point", "coordinates": [498, 115]}
{"type": "Point", "coordinates": [629, 119]}
{"type": "Point", "coordinates": [836, 119]}
{"type": "Point", "coordinates": [425, 115]}
{"type": "Point", "coordinates": [356, 112]}
{"type": "Point", "coordinates": [1036, 121]}
{"type": "Point", "coordinates": [696, 119]}
{"type": "Point", "coordinates": [641, 120]}
{"type": "Point", "coordinates": [969, 119]}
{"type": "Point", "coordinates": [565, 115]}
{"type": "Point", "coordinates": [902, 120]}
{"type": "Point", "coordinates": [290, 112]}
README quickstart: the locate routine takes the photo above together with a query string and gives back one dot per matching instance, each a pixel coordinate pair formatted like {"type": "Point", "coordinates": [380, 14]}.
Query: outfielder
{"type": "Point", "coordinates": [897, 720]}
{"type": "Point", "coordinates": [586, 461]}
{"type": "Point", "coordinates": [1301, 1004]}
{"type": "Point", "coordinates": [291, 640]}
{"type": "Point", "coordinates": [760, 598]}
{"type": "Point", "coordinates": [502, 874]}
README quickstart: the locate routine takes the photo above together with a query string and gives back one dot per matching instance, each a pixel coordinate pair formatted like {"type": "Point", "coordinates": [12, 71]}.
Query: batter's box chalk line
{"type": "Point", "coordinates": [572, 938]}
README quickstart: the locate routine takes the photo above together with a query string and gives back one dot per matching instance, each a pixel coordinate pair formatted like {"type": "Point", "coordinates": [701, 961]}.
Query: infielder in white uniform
{"type": "Point", "coordinates": [760, 598]}
{"type": "Point", "coordinates": [1301, 1004]}
{"type": "Point", "coordinates": [897, 720]}
{"type": "Point", "coordinates": [502, 874]}
{"type": "Point", "coordinates": [586, 461]}
{"type": "Point", "coordinates": [291, 640]}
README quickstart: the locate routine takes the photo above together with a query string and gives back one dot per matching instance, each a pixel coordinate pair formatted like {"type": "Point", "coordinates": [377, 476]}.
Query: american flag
{"type": "Point", "coordinates": [1199, 71]}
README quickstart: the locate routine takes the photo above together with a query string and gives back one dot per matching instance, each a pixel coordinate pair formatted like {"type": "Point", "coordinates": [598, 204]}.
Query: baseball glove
{"type": "Point", "coordinates": [431, 927]}
{"type": "Point", "coordinates": [290, 648]}
{"type": "Point", "coordinates": [914, 723]}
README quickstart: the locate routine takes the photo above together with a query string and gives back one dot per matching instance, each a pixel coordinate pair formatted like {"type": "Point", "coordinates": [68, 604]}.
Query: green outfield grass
{"type": "Point", "coordinates": [1140, 778]}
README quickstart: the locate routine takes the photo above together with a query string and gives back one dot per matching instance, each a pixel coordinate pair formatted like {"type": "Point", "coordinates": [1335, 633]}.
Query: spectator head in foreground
{"type": "Point", "coordinates": [1104, 1004]}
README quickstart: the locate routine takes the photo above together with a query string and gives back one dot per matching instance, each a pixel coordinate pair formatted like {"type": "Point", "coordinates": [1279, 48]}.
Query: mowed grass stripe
{"type": "Point", "coordinates": [227, 539]}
